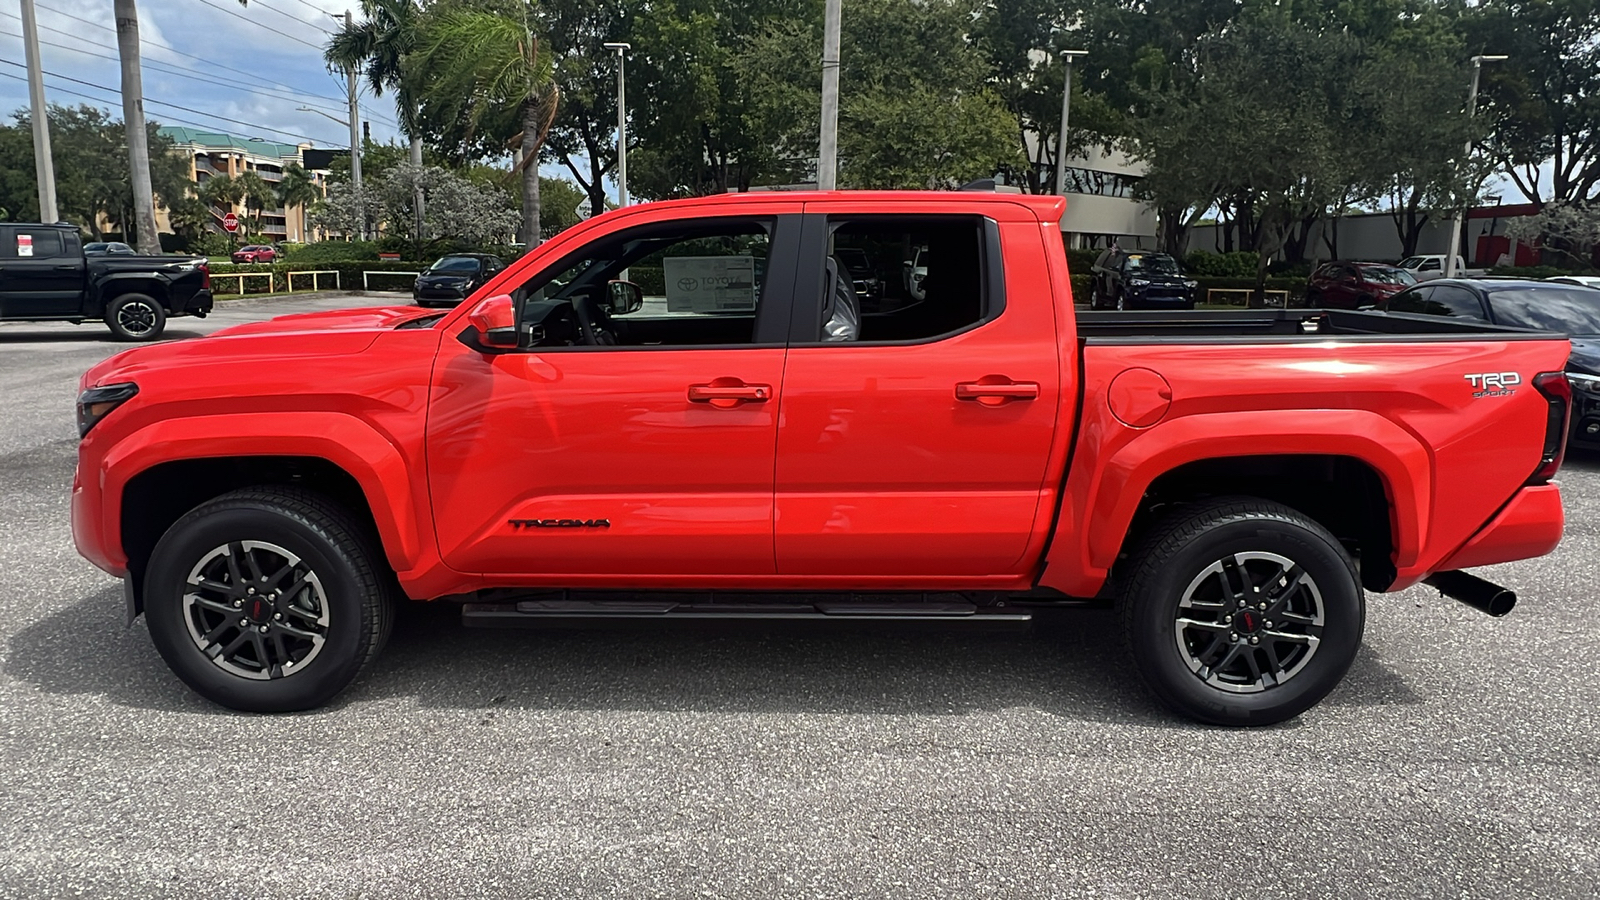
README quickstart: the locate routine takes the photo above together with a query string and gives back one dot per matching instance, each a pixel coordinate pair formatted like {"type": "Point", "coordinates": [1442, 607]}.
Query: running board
{"type": "Point", "coordinates": [559, 606]}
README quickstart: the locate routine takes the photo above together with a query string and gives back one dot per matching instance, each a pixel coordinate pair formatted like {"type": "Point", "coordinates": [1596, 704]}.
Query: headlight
{"type": "Point", "coordinates": [97, 402]}
{"type": "Point", "coordinates": [1190, 283]}
{"type": "Point", "coordinates": [1589, 384]}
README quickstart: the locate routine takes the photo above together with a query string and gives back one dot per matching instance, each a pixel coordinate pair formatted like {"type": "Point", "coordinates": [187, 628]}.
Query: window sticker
{"type": "Point", "coordinates": [707, 284]}
{"type": "Point", "coordinates": [24, 245]}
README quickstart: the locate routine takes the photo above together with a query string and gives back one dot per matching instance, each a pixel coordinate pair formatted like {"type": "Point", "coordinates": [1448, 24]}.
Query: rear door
{"type": "Point", "coordinates": [637, 451]}
{"type": "Point", "coordinates": [918, 445]}
{"type": "Point", "coordinates": [41, 272]}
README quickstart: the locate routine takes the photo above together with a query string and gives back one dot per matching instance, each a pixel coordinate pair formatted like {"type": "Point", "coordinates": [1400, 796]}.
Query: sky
{"type": "Point", "coordinates": [240, 69]}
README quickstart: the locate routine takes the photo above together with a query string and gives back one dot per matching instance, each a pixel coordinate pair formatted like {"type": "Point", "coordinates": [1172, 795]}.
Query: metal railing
{"type": "Point", "coordinates": [242, 276]}
{"type": "Point", "coordinates": [1272, 298]}
{"type": "Point", "coordinates": [289, 278]}
{"type": "Point", "coordinates": [366, 274]}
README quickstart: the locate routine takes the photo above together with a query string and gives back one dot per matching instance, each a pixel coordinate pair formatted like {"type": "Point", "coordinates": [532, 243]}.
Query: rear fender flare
{"type": "Point", "coordinates": [347, 442]}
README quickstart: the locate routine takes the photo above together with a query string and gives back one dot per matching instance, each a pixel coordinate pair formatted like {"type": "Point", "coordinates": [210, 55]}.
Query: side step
{"type": "Point", "coordinates": [555, 607]}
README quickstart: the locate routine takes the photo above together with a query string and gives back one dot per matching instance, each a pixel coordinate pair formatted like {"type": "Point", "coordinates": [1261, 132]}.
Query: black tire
{"type": "Point", "coordinates": [353, 598]}
{"type": "Point", "coordinates": [1094, 294]}
{"type": "Point", "coordinates": [1185, 556]}
{"type": "Point", "coordinates": [136, 317]}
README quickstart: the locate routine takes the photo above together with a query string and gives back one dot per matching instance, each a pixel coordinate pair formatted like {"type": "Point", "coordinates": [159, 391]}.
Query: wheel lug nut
{"type": "Point", "coordinates": [1267, 624]}
{"type": "Point", "coordinates": [249, 590]}
{"type": "Point", "coordinates": [238, 603]}
{"type": "Point", "coordinates": [264, 631]}
{"type": "Point", "coordinates": [244, 623]}
{"type": "Point", "coordinates": [1253, 638]}
{"type": "Point", "coordinates": [1233, 636]}
{"type": "Point", "coordinates": [279, 617]}
{"type": "Point", "coordinates": [1261, 606]}
{"type": "Point", "coordinates": [1227, 620]}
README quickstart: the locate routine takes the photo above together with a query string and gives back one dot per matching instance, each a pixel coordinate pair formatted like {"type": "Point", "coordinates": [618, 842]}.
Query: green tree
{"type": "Point", "coordinates": [583, 133]}
{"type": "Point", "coordinates": [258, 196]}
{"type": "Point", "coordinates": [483, 62]}
{"type": "Point", "coordinates": [298, 187]}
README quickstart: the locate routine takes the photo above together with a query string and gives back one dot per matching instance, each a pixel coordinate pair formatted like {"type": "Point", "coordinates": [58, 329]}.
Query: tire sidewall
{"type": "Point", "coordinates": [122, 334]}
{"type": "Point", "coordinates": [342, 653]}
{"type": "Point", "coordinates": [1152, 631]}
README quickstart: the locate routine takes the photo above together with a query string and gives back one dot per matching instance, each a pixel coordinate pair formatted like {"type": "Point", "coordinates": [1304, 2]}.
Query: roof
{"type": "Point", "coordinates": [218, 140]}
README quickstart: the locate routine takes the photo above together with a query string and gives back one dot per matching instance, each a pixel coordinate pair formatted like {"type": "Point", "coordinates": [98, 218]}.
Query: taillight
{"type": "Point", "coordinates": [1557, 391]}
{"type": "Point", "coordinates": [205, 277]}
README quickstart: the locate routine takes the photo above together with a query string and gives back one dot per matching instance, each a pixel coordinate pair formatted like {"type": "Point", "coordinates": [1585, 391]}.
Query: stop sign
{"type": "Point", "coordinates": [230, 222]}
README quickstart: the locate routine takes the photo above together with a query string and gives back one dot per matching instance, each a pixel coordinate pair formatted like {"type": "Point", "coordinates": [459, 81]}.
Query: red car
{"type": "Point", "coordinates": [690, 397]}
{"type": "Point", "coordinates": [1353, 285]}
{"type": "Point", "coordinates": [255, 253]}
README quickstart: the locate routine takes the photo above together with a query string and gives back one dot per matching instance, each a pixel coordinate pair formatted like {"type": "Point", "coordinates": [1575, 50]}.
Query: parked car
{"type": "Point", "coordinates": [45, 276]}
{"type": "Point", "coordinates": [1429, 266]}
{"type": "Point", "coordinates": [1234, 480]}
{"type": "Point", "coordinates": [1571, 309]}
{"type": "Point", "coordinates": [108, 248]}
{"type": "Point", "coordinates": [452, 278]}
{"type": "Point", "coordinates": [1590, 281]}
{"type": "Point", "coordinates": [1138, 280]}
{"type": "Point", "coordinates": [1343, 284]}
{"type": "Point", "coordinates": [863, 278]}
{"type": "Point", "coordinates": [255, 253]}
{"type": "Point", "coordinates": [913, 271]}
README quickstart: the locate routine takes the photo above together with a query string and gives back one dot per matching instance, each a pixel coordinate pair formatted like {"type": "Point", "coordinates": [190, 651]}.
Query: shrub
{"type": "Point", "coordinates": [1082, 260]}
{"type": "Point", "coordinates": [332, 251]}
{"type": "Point", "coordinates": [1204, 263]}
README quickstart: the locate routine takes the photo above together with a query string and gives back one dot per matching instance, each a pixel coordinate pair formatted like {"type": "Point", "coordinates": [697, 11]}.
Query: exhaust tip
{"type": "Point", "coordinates": [1484, 596]}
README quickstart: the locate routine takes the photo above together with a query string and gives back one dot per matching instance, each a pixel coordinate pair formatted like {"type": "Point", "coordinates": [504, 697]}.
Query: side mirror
{"type": "Point", "coordinates": [494, 322]}
{"type": "Point", "coordinates": [625, 297]}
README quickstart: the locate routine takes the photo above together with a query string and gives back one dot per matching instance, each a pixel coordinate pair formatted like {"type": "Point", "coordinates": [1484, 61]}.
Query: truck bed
{"type": "Point", "coordinates": [1276, 324]}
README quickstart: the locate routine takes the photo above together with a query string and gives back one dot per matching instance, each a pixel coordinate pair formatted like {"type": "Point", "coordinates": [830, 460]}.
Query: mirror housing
{"type": "Point", "coordinates": [494, 322]}
{"type": "Point", "coordinates": [624, 296]}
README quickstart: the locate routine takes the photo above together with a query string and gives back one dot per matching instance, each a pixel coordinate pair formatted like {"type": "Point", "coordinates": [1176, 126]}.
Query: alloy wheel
{"type": "Point", "coordinates": [137, 318]}
{"type": "Point", "coordinates": [256, 610]}
{"type": "Point", "coordinates": [1249, 622]}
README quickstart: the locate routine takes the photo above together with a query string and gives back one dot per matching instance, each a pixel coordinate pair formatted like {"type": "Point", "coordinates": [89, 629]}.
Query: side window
{"type": "Point", "coordinates": [1414, 300]}
{"type": "Point", "coordinates": [698, 283]}
{"type": "Point", "coordinates": [30, 243]}
{"type": "Point", "coordinates": [1448, 300]}
{"type": "Point", "coordinates": [906, 278]}
{"type": "Point", "coordinates": [1430, 265]}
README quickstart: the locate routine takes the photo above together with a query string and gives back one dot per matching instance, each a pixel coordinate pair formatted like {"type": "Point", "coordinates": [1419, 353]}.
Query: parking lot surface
{"type": "Point", "coordinates": [1458, 759]}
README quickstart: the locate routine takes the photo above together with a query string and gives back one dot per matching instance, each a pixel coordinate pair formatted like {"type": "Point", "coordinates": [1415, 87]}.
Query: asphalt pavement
{"type": "Point", "coordinates": [1458, 759]}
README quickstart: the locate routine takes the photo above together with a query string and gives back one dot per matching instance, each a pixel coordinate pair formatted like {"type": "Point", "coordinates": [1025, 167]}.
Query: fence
{"type": "Point", "coordinates": [242, 276]}
{"type": "Point", "coordinates": [289, 277]}
{"type": "Point", "coordinates": [368, 273]}
{"type": "Point", "coordinates": [1272, 298]}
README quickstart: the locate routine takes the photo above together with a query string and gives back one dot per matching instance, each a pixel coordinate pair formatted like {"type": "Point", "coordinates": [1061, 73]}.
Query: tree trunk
{"type": "Point", "coordinates": [148, 241]}
{"type": "Point", "coordinates": [531, 128]}
{"type": "Point", "coordinates": [417, 200]}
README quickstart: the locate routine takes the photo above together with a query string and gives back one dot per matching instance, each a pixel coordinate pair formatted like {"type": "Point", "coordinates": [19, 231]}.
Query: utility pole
{"type": "Point", "coordinates": [828, 147]}
{"type": "Point", "coordinates": [43, 165]}
{"type": "Point", "coordinates": [622, 121]}
{"type": "Point", "coordinates": [146, 239]}
{"type": "Point", "coordinates": [355, 137]}
{"type": "Point", "coordinates": [1066, 109]}
{"type": "Point", "coordinates": [1466, 157]}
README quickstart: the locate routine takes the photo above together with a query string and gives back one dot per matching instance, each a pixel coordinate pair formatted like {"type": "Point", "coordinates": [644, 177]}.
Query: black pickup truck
{"type": "Point", "coordinates": [44, 276]}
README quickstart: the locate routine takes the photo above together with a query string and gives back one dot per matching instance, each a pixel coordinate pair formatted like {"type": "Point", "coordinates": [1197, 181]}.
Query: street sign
{"type": "Point", "coordinates": [230, 222]}
{"type": "Point", "coordinates": [582, 211]}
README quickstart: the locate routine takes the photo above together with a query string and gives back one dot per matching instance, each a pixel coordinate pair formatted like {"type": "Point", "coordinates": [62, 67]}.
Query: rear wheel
{"type": "Point", "coordinates": [1241, 611]}
{"type": "Point", "coordinates": [267, 599]}
{"type": "Point", "coordinates": [136, 317]}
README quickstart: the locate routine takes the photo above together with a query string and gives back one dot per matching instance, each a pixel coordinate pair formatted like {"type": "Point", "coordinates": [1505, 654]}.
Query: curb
{"type": "Point", "coordinates": [312, 295]}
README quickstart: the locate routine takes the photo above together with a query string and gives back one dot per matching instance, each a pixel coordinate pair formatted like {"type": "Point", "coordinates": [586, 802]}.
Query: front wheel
{"type": "Point", "coordinates": [267, 599]}
{"type": "Point", "coordinates": [135, 317]}
{"type": "Point", "coordinates": [1241, 611]}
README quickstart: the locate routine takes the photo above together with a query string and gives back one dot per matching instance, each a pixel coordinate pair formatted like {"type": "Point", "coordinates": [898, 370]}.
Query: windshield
{"type": "Point", "coordinates": [1388, 275]}
{"type": "Point", "coordinates": [90, 248]}
{"type": "Point", "coordinates": [1410, 262]}
{"type": "Point", "coordinates": [1153, 265]}
{"type": "Point", "coordinates": [461, 265]}
{"type": "Point", "coordinates": [1572, 310]}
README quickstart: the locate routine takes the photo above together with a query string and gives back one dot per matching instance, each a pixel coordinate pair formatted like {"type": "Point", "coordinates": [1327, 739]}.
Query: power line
{"type": "Point", "coordinates": [312, 6]}
{"type": "Point", "coordinates": [259, 24]}
{"type": "Point", "coordinates": [207, 78]}
{"type": "Point", "coordinates": [294, 17]}
{"type": "Point", "coordinates": [198, 112]}
{"type": "Point", "coordinates": [173, 50]}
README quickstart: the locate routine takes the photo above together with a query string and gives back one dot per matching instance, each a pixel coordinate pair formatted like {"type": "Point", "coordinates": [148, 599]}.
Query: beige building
{"type": "Point", "coordinates": [213, 153]}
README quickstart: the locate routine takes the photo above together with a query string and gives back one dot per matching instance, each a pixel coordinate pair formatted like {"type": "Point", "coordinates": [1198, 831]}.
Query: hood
{"type": "Point", "coordinates": [374, 318]}
{"type": "Point", "coordinates": [1585, 355]}
{"type": "Point", "coordinates": [1155, 278]}
{"type": "Point", "coordinates": [444, 278]}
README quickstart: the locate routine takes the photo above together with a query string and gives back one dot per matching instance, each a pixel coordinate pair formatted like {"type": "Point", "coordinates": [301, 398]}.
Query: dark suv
{"type": "Point", "coordinates": [452, 278]}
{"type": "Point", "coordinates": [1131, 279]}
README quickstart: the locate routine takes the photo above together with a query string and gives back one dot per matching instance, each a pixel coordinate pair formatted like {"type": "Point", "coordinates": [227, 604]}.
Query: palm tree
{"type": "Point", "coordinates": [298, 188]}
{"type": "Point", "coordinates": [380, 42]}
{"type": "Point", "coordinates": [258, 195]}
{"type": "Point", "coordinates": [223, 191]}
{"type": "Point", "coordinates": [480, 62]}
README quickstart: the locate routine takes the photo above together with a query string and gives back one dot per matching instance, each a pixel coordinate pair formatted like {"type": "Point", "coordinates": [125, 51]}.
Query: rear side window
{"type": "Point", "coordinates": [32, 243]}
{"type": "Point", "coordinates": [1412, 301]}
{"type": "Point", "coordinates": [1442, 300]}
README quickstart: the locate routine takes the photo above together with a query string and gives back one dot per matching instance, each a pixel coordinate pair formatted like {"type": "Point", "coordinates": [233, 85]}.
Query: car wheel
{"type": "Point", "coordinates": [1094, 296]}
{"type": "Point", "coordinates": [268, 599]}
{"type": "Point", "coordinates": [1121, 306]}
{"type": "Point", "coordinates": [135, 317]}
{"type": "Point", "coordinates": [1241, 611]}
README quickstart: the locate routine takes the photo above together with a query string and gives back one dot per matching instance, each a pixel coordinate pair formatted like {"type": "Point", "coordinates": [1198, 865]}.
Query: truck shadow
{"type": "Point", "coordinates": [89, 333]}
{"type": "Point", "coordinates": [1071, 666]}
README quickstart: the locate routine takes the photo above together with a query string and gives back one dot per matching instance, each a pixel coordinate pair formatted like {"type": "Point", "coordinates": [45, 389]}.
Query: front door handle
{"type": "Point", "coordinates": [992, 390]}
{"type": "Point", "coordinates": [726, 393]}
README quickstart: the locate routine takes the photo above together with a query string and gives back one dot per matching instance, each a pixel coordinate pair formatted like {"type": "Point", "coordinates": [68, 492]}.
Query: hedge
{"type": "Point", "coordinates": [1295, 286]}
{"type": "Point", "coordinates": [349, 275]}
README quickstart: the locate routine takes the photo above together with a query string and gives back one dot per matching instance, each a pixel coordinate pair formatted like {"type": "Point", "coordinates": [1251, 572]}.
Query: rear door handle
{"type": "Point", "coordinates": [66, 268]}
{"type": "Point", "coordinates": [725, 393]}
{"type": "Point", "coordinates": [999, 391]}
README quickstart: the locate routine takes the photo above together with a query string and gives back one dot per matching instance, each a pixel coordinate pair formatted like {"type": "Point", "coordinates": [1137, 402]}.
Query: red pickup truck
{"type": "Point", "coordinates": [696, 399]}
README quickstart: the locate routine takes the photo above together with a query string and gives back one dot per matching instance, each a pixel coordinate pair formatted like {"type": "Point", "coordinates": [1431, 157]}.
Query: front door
{"type": "Point", "coordinates": [917, 444]}
{"type": "Point", "coordinates": [41, 273]}
{"type": "Point", "coordinates": [623, 446]}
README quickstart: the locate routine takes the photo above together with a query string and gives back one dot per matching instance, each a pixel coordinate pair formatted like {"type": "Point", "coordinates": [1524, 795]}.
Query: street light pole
{"type": "Point", "coordinates": [828, 146]}
{"type": "Point", "coordinates": [621, 50]}
{"type": "Point", "coordinates": [1455, 221]}
{"type": "Point", "coordinates": [355, 133]}
{"type": "Point", "coordinates": [1066, 109]}
{"type": "Point", "coordinates": [43, 166]}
